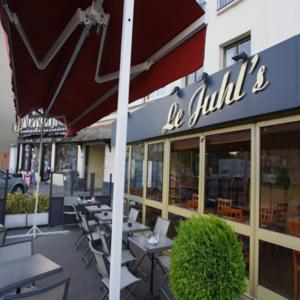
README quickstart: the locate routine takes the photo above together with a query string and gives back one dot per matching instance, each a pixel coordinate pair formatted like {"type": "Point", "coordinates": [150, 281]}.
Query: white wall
{"type": "Point", "coordinates": [109, 162]}
{"type": "Point", "coordinates": [7, 111]}
{"type": "Point", "coordinates": [268, 21]}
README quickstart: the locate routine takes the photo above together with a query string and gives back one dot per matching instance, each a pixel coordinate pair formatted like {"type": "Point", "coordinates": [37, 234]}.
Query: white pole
{"type": "Point", "coordinates": [121, 137]}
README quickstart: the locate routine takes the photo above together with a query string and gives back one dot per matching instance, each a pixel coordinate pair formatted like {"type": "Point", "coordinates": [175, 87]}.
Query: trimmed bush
{"type": "Point", "coordinates": [207, 261]}
{"type": "Point", "coordinates": [19, 203]}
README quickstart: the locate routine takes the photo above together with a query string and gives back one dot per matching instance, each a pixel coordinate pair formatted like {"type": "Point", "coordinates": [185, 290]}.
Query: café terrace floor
{"type": "Point", "coordinates": [84, 283]}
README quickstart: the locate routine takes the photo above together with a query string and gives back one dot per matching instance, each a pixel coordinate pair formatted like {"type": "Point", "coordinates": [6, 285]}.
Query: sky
{"type": "Point", "coordinates": [7, 111]}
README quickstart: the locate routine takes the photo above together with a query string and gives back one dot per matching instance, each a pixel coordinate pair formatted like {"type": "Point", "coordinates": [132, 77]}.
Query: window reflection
{"type": "Point", "coordinates": [227, 183]}
{"type": "Point", "coordinates": [155, 171]}
{"type": "Point", "coordinates": [174, 223]}
{"type": "Point", "coordinates": [277, 269]}
{"type": "Point", "coordinates": [139, 207]}
{"type": "Point", "coordinates": [280, 178]}
{"type": "Point", "coordinates": [136, 169]}
{"type": "Point", "coordinates": [184, 173]}
{"type": "Point", "coordinates": [126, 170]}
{"type": "Point", "coordinates": [245, 242]}
{"type": "Point", "coordinates": [151, 216]}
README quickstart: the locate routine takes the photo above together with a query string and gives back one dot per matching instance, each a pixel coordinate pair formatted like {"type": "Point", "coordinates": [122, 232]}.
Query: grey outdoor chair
{"type": "Point", "coordinates": [14, 251]}
{"type": "Point", "coordinates": [127, 256]}
{"type": "Point", "coordinates": [2, 235]}
{"type": "Point", "coordinates": [92, 236]}
{"type": "Point", "coordinates": [68, 209]}
{"type": "Point", "coordinates": [133, 215]}
{"type": "Point", "coordinates": [164, 262]}
{"type": "Point", "coordinates": [56, 291]}
{"type": "Point", "coordinates": [161, 227]}
{"type": "Point", "coordinates": [128, 280]}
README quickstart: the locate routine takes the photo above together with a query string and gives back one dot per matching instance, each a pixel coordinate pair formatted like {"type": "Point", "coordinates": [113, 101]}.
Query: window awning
{"type": "Point", "coordinates": [55, 46]}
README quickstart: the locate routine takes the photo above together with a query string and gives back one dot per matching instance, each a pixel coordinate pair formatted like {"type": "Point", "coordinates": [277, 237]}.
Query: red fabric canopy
{"type": "Point", "coordinates": [155, 24]}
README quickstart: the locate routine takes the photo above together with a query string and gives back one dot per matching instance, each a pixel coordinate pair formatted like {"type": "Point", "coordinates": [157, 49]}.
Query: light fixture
{"type": "Point", "coordinates": [178, 91]}
{"type": "Point", "coordinates": [241, 56]}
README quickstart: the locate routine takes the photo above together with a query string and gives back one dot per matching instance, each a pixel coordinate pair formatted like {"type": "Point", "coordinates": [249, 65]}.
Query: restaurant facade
{"type": "Point", "coordinates": [229, 145]}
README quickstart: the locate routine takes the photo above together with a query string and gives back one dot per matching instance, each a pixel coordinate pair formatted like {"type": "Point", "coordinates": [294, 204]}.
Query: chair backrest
{"type": "Point", "coordinates": [77, 214]}
{"type": "Point", "coordinates": [2, 236]}
{"type": "Point", "coordinates": [133, 214]}
{"type": "Point", "coordinates": [85, 224]}
{"type": "Point", "coordinates": [224, 206]}
{"type": "Point", "coordinates": [70, 200]}
{"type": "Point", "coordinates": [104, 241]}
{"type": "Point", "coordinates": [101, 261]}
{"type": "Point", "coordinates": [161, 226]}
{"type": "Point", "coordinates": [14, 251]}
{"type": "Point", "coordinates": [294, 227]}
{"type": "Point", "coordinates": [56, 291]}
{"type": "Point", "coordinates": [266, 215]}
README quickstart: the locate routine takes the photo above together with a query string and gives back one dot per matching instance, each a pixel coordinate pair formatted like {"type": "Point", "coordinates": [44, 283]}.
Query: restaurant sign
{"type": "Point", "coordinates": [202, 103]}
{"type": "Point", "coordinates": [265, 84]}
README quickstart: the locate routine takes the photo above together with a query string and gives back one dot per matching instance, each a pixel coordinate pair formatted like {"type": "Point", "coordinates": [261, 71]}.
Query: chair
{"type": "Point", "coordinates": [224, 206]}
{"type": "Point", "coordinates": [68, 209]}
{"type": "Point", "coordinates": [164, 262]}
{"type": "Point", "coordinates": [14, 251]}
{"type": "Point", "coordinates": [133, 214]}
{"type": "Point", "coordinates": [102, 264]}
{"type": "Point", "coordinates": [193, 204]}
{"type": "Point", "coordinates": [281, 215]}
{"type": "Point", "coordinates": [161, 226]}
{"type": "Point", "coordinates": [91, 223]}
{"type": "Point", "coordinates": [236, 214]}
{"type": "Point", "coordinates": [2, 235]}
{"type": "Point", "coordinates": [294, 229]}
{"type": "Point", "coordinates": [266, 216]}
{"type": "Point", "coordinates": [91, 235]}
{"type": "Point", "coordinates": [126, 257]}
{"type": "Point", "coordinates": [56, 291]}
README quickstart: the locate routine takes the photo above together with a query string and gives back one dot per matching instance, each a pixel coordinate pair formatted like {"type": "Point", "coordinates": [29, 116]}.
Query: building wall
{"type": "Point", "coordinates": [95, 165]}
{"type": "Point", "coordinates": [268, 22]}
{"type": "Point", "coordinates": [109, 162]}
{"type": "Point", "coordinates": [7, 112]}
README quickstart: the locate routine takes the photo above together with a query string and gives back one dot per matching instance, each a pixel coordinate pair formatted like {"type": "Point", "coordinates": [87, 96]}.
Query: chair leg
{"type": "Point", "coordinates": [163, 290]}
{"type": "Point", "coordinates": [79, 238]}
{"type": "Point", "coordinates": [105, 295]}
{"type": "Point", "coordinates": [80, 242]}
{"type": "Point", "coordinates": [89, 260]}
{"type": "Point", "coordinates": [85, 253]}
{"type": "Point", "coordinates": [138, 262]}
{"type": "Point", "coordinates": [130, 291]}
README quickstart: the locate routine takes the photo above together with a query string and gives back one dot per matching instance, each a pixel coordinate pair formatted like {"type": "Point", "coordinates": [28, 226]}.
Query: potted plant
{"type": "Point", "coordinates": [207, 261]}
{"type": "Point", "coordinates": [20, 210]}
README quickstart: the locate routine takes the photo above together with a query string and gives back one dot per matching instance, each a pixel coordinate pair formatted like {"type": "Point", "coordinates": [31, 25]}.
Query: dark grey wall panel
{"type": "Point", "coordinates": [283, 93]}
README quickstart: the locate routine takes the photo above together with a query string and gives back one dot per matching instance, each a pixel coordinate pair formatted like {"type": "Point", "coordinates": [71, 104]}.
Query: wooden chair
{"type": "Point", "coordinates": [224, 206]}
{"type": "Point", "coordinates": [266, 216]}
{"type": "Point", "coordinates": [236, 214]}
{"type": "Point", "coordinates": [294, 229]}
{"type": "Point", "coordinates": [281, 215]}
{"type": "Point", "coordinates": [193, 204]}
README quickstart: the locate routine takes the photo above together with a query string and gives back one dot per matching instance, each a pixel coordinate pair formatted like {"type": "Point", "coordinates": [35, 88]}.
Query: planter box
{"type": "Point", "coordinates": [15, 221]}
{"type": "Point", "coordinates": [42, 219]}
{"type": "Point", "coordinates": [25, 220]}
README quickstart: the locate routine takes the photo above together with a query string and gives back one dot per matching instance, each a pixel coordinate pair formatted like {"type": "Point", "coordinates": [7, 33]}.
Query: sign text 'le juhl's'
{"type": "Point", "coordinates": [202, 104]}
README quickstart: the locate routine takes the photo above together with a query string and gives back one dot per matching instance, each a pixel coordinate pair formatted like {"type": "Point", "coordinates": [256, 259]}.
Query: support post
{"type": "Point", "coordinates": [121, 137]}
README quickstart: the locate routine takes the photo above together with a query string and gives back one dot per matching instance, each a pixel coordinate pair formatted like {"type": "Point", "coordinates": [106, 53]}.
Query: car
{"type": "Point", "coordinates": [15, 184]}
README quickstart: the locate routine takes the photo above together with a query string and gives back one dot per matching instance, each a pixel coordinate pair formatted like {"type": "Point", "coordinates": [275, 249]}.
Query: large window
{"type": "Point", "coordinates": [227, 183]}
{"type": "Point", "coordinates": [184, 173]}
{"type": "Point", "coordinates": [126, 170]}
{"type": "Point", "coordinates": [280, 178]}
{"type": "Point", "coordinates": [155, 165]}
{"type": "Point", "coordinates": [151, 216]}
{"type": "Point", "coordinates": [66, 157]}
{"type": "Point", "coordinates": [136, 169]}
{"type": "Point", "coordinates": [236, 48]}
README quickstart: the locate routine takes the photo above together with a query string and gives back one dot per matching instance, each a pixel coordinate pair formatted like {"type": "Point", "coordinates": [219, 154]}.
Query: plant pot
{"type": "Point", "coordinates": [15, 221]}
{"type": "Point", "coordinates": [42, 219]}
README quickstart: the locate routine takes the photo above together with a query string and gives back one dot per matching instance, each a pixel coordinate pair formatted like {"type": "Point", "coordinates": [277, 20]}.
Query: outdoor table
{"type": "Point", "coordinates": [93, 209]}
{"type": "Point", "coordinates": [136, 227]}
{"type": "Point", "coordinates": [26, 270]}
{"type": "Point", "coordinates": [88, 202]}
{"type": "Point", "coordinates": [105, 217]}
{"type": "Point", "coordinates": [141, 242]}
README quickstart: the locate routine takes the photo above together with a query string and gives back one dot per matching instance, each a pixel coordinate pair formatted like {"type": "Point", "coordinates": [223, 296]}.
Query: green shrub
{"type": "Point", "coordinates": [19, 203]}
{"type": "Point", "coordinates": [207, 261]}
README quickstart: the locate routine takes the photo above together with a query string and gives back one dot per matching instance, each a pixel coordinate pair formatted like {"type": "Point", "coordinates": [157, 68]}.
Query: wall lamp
{"type": "Point", "coordinates": [241, 56]}
{"type": "Point", "coordinates": [178, 91]}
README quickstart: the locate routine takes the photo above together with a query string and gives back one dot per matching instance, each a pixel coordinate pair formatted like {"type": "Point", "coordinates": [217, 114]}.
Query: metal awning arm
{"type": "Point", "coordinates": [160, 54]}
{"type": "Point", "coordinates": [93, 15]}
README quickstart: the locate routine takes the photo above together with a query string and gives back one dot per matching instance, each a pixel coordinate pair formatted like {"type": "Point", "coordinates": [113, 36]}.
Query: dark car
{"type": "Point", "coordinates": [15, 184]}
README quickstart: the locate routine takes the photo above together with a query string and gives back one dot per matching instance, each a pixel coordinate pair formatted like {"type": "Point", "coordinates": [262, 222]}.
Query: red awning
{"type": "Point", "coordinates": [81, 100]}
